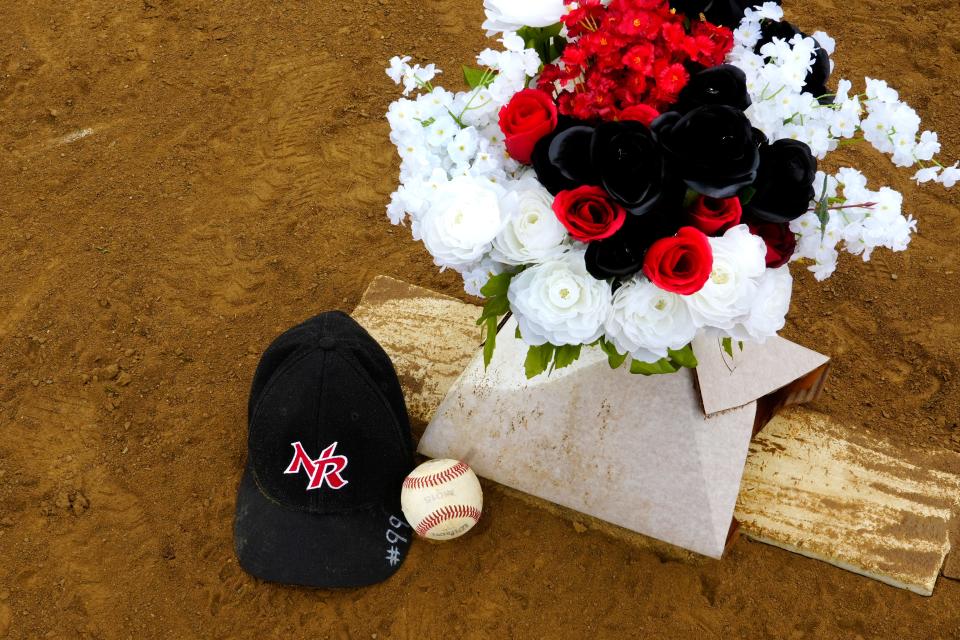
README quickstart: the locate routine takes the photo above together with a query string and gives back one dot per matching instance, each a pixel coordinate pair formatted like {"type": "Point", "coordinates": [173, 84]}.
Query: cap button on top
{"type": "Point", "coordinates": [327, 344]}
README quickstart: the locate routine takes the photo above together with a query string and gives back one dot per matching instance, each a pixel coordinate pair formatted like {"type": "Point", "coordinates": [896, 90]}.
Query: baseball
{"type": "Point", "coordinates": [442, 499]}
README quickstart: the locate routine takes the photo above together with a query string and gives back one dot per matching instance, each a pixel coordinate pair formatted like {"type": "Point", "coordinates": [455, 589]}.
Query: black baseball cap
{"type": "Point", "coordinates": [328, 448]}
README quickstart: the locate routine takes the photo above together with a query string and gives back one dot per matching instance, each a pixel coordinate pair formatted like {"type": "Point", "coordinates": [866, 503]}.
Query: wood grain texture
{"type": "Point", "coordinates": [829, 492]}
{"type": "Point", "coordinates": [430, 338]}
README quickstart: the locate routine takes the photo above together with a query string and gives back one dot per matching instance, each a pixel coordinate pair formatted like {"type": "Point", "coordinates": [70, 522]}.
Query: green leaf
{"type": "Point", "coordinates": [690, 198]}
{"type": "Point", "coordinates": [494, 308]}
{"type": "Point", "coordinates": [538, 34]}
{"type": "Point", "coordinates": [497, 285]}
{"type": "Point", "coordinates": [727, 345]}
{"type": "Point", "coordinates": [491, 341]}
{"type": "Point", "coordinates": [662, 367]}
{"type": "Point", "coordinates": [497, 305]}
{"type": "Point", "coordinates": [740, 344]}
{"type": "Point", "coordinates": [566, 355]}
{"type": "Point", "coordinates": [684, 357]}
{"type": "Point", "coordinates": [538, 360]}
{"type": "Point", "coordinates": [614, 357]}
{"type": "Point", "coordinates": [823, 207]}
{"type": "Point", "coordinates": [518, 335]}
{"type": "Point", "coordinates": [545, 41]}
{"type": "Point", "coordinates": [478, 77]}
{"type": "Point", "coordinates": [495, 291]}
{"type": "Point", "coordinates": [746, 195]}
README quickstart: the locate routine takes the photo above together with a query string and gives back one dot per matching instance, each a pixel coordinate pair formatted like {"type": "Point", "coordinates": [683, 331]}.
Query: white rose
{"type": "Point", "coordinates": [646, 321]}
{"type": "Point", "coordinates": [461, 222]}
{"type": "Point", "coordinates": [739, 259]}
{"type": "Point", "coordinates": [768, 315]}
{"type": "Point", "coordinates": [559, 302]}
{"type": "Point", "coordinates": [513, 15]}
{"type": "Point", "coordinates": [533, 234]}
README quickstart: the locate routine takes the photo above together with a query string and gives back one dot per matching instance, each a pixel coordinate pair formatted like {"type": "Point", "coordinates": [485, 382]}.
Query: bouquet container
{"type": "Point", "coordinates": [662, 456]}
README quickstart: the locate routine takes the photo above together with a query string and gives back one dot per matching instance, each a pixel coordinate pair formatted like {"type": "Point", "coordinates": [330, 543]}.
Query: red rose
{"type": "Point", "coordinates": [713, 216]}
{"type": "Point", "coordinates": [642, 113]}
{"type": "Point", "coordinates": [681, 264]}
{"type": "Point", "coordinates": [781, 242]}
{"type": "Point", "coordinates": [589, 213]}
{"type": "Point", "coordinates": [530, 115]}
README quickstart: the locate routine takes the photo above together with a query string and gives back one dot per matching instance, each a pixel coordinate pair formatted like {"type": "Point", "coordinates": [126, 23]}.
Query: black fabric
{"type": "Point", "coordinates": [327, 391]}
{"type": "Point", "coordinates": [353, 549]}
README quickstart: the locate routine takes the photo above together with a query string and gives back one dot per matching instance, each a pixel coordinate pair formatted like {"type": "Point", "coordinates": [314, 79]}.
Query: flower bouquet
{"type": "Point", "coordinates": [629, 173]}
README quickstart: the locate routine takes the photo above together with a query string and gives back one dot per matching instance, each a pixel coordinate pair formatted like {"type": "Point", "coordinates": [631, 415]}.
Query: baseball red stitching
{"type": "Point", "coordinates": [447, 513]}
{"type": "Point", "coordinates": [436, 479]}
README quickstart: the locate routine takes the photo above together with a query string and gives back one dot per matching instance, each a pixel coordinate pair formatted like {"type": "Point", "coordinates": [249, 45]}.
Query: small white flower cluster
{"type": "Point", "coordinates": [558, 302]}
{"type": "Point", "coordinates": [874, 219]}
{"type": "Point", "coordinates": [893, 127]}
{"type": "Point", "coordinates": [458, 186]}
{"type": "Point", "coordinates": [776, 78]}
{"type": "Point", "coordinates": [782, 109]}
{"type": "Point", "coordinates": [412, 78]}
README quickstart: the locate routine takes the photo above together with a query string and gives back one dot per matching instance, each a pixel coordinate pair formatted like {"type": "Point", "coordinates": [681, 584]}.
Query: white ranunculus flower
{"type": "Point", "coordinates": [512, 15]}
{"type": "Point", "coordinates": [768, 315]}
{"type": "Point", "coordinates": [559, 302]}
{"type": "Point", "coordinates": [533, 234]}
{"type": "Point", "coordinates": [463, 219]}
{"type": "Point", "coordinates": [646, 321]}
{"type": "Point", "coordinates": [739, 259]}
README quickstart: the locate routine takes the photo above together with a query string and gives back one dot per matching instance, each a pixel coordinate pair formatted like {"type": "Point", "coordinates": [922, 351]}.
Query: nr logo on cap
{"type": "Point", "coordinates": [327, 468]}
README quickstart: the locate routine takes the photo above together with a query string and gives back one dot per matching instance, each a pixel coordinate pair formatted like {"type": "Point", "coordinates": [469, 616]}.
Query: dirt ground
{"type": "Point", "coordinates": [180, 180]}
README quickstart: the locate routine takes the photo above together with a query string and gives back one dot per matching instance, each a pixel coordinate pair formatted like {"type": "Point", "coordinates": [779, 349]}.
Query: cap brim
{"type": "Point", "coordinates": [351, 549]}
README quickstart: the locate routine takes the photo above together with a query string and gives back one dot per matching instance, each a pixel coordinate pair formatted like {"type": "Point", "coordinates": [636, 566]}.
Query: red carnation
{"type": "Point", "coordinates": [681, 264]}
{"type": "Point", "coordinates": [713, 216]}
{"type": "Point", "coordinates": [530, 115]}
{"type": "Point", "coordinates": [670, 80]}
{"type": "Point", "coordinates": [781, 242]}
{"type": "Point", "coordinates": [640, 58]}
{"type": "Point", "coordinates": [639, 113]}
{"type": "Point", "coordinates": [589, 213]}
{"type": "Point", "coordinates": [629, 53]}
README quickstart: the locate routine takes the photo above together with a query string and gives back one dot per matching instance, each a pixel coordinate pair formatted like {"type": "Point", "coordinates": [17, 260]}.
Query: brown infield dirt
{"type": "Point", "coordinates": [180, 180]}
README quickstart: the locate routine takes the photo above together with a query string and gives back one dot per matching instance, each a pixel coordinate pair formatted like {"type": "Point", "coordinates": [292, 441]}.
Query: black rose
{"type": "Point", "coordinates": [549, 174]}
{"type": "Point", "coordinates": [728, 13]}
{"type": "Point", "coordinates": [712, 149]}
{"type": "Point", "coordinates": [785, 182]}
{"type": "Point", "coordinates": [629, 163]}
{"type": "Point", "coordinates": [819, 74]}
{"type": "Point", "coordinates": [621, 255]}
{"type": "Point", "coordinates": [621, 157]}
{"type": "Point", "coordinates": [724, 84]}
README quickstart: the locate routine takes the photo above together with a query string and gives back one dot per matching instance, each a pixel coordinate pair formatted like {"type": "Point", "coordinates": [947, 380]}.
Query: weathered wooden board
{"type": "Point", "coordinates": [825, 491]}
{"type": "Point", "coordinates": [429, 336]}
{"type": "Point", "coordinates": [811, 486]}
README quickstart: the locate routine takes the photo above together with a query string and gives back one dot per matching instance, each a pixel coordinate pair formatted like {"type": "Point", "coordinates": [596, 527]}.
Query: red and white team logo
{"type": "Point", "coordinates": [327, 468]}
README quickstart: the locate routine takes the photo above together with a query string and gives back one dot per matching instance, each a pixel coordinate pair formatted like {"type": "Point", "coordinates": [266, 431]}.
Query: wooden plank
{"type": "Point", "coordinates": [429, 336]}
{"type": "Point", "coordinates": [829, 492]}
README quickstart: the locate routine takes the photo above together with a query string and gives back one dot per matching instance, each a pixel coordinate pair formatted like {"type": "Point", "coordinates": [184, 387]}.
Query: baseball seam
{"type": "Point", "coordinates": [447, 513]}
{"type": "Point", "coordinates": [436, 479]}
